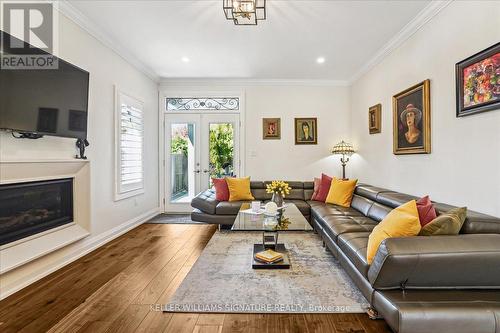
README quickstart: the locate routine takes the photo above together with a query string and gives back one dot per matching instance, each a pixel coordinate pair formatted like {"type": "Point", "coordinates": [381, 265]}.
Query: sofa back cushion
{"type": "Point", "coordinates": [259, 191]}
{"type": "Point", "coordinates": [309, 188]}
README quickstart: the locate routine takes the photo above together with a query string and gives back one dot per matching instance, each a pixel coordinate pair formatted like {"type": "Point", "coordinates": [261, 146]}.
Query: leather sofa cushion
{"type": "Point", "coordinates": [394, 199]}
{"type": "Point", "coordinates": [228, 207]}
{"type": "Point", "coordinates": [369, 191]}
{"type": "Point", "coordinates": [321, 209]}
{"type": "Point", "coordinates": [199, 216]}
{"type": "Point", "coordinates": [361, 204]}
{"type": "Point", "coordinates": [337, 225]}
{"type": "Point", "coordinates": [353, 245]}
{"type": "Point", "coordinates": [437, 262]}
{"type": "Point", "coordinates": [423, 311]}
{"type": "Point", "coordinates": [205, 201]}
{"type": "Point", "coordinates": [308, 194]}
{"type": "Point", "coordinates": [257, 185]}
{"type": "Point", "coordinates": [260, 194]}
{"type": "Point", "coordinates": [378, 212]}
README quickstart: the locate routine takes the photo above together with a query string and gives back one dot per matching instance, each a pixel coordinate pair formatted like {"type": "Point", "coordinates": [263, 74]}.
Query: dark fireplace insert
{"type": "Point", "coordinates": [29, 208]}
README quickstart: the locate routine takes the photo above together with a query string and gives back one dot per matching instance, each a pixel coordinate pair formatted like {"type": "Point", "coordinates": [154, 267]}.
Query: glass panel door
{"type": "Point", "coordinates": [182, 162]}
{"type": "Point", "coordinates": [220, 153]}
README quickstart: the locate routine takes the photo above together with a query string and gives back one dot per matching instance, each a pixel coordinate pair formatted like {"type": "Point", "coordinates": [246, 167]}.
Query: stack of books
{"type": "Point", "coordinates": [268, 256]}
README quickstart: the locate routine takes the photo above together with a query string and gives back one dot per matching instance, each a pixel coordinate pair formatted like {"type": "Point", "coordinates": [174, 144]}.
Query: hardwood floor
{"type": "Point", "coordinates": [114, 289]}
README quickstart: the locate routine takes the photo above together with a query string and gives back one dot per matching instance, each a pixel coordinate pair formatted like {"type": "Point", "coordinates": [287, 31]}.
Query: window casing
{"type": "Point", "coordinates": [129, 146]}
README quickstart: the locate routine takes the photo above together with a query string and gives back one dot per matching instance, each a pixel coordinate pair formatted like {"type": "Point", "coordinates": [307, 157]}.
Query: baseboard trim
{"type": "Point", "coordinates": [81, 249]}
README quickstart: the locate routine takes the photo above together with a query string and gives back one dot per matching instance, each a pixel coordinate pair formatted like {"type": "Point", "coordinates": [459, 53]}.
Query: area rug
{"type": "Point", "coordinates": [173, 219]}
{"type": "Point", "coordinates": [223, 281]}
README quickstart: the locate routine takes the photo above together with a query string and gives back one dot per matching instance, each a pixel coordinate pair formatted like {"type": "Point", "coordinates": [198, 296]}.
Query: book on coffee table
{"type": "Point", "coordinates": [269, 256]}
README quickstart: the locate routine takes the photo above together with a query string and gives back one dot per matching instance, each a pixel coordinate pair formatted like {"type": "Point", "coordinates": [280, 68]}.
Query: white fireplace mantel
{"type": "Point", "coordinates": [20, 252]}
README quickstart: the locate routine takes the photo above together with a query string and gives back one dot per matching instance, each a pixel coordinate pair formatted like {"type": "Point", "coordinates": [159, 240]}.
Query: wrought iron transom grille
{"type": "Point", "coordinates": [203, 104]}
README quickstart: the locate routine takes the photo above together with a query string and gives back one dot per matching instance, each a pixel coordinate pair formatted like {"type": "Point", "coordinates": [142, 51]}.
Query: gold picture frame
{"type": "Point", "coordinates": [271, 128]}
{"type": "Point", "coordinates": [412, 120]}
{"type": "Point", "coordinates": [306, 131]}
{"type": "Point", "coordinates": [375, 118]}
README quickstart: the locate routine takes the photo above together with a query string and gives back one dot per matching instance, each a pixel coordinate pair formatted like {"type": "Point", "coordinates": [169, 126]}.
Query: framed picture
{"type": "Point", "coordinates": [375, 119]}
{"type": "Point", "coordinates": [306, 131]}
{"type": "Point", "coordinates": [412, 120]}
{"type": "Point", "coordinates": [271, 128]}
{"type": "Point", "coordinates": [478, 82]}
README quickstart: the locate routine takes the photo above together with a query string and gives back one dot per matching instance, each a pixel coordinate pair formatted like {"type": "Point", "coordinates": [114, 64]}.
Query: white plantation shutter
{"type": "Point", "coordinates": [130, 152]}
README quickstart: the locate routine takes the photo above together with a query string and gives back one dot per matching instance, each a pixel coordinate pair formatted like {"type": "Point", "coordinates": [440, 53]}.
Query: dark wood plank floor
{"type": "Point", "coordinates": [112, 290]}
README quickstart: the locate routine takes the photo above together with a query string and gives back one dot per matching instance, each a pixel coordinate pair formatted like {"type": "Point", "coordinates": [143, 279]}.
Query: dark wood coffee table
{"type": "Point", "coordinates": [290, 220]}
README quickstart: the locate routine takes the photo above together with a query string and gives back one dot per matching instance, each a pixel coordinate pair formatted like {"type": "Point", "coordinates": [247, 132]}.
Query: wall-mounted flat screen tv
{"type": "Point", "coordinates": [45, 101]}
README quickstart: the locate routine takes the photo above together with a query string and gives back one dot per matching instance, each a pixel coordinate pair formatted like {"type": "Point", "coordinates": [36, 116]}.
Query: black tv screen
{"type": "Point", "coordinates": [45, 101]}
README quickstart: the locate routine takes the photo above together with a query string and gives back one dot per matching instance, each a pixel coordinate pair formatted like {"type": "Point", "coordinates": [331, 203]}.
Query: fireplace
{"type": "Point", "coordinates": [30, 208]}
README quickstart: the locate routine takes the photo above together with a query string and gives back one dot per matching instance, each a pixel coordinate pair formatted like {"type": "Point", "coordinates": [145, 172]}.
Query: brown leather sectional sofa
{"type": "Point", "coordinates": [417, 284]}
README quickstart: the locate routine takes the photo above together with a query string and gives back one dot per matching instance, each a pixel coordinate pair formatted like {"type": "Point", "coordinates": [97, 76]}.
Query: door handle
{"type": "Point", "coordinates": [205, 171]}
{"type": "Point", "coordinates": [197, 171]}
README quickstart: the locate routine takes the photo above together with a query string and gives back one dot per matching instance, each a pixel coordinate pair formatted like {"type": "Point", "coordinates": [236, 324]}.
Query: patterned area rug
{"type": "Point", "coordinates": [222, 280]}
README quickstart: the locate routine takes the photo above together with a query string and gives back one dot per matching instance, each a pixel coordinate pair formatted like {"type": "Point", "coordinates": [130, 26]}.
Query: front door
{"type": "Point", "coordinates": [198, 147]}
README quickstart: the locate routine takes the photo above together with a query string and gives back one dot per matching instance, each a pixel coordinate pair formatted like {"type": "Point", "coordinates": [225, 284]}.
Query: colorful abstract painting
{"type": "Point", "coordinates": [478, 82]}
{"type": "Point", "coordinates": [482, 81]}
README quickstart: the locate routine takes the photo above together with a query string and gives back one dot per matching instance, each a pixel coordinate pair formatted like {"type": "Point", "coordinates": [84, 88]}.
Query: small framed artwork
{"type": "Point", "coordinates": [271, 128]}
{"type": "Point", "coordinates": [306, 131]}
{"type": "Point", "coordinates": [478, 82]}
{"type": "Point", "coordinates": [412, 120]}
{"type": "Point", "coordinates": [375, 118]}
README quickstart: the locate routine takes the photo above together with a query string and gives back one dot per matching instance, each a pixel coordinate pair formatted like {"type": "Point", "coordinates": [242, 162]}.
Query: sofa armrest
{"type": "Point", "coordinates": [440, 262]}
{"type": "Point", "coordinates": [205, 201]}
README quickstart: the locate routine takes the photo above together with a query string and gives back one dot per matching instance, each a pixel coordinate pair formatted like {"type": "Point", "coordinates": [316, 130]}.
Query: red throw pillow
{"type": "Point", "coordinates": [317, 183]}
{"type": "Point", "coordinates": [221, 189]}
{"type": "Point", "coordinates": [426, 210]}
{"type": "Point", "coordinates": [324, 187]}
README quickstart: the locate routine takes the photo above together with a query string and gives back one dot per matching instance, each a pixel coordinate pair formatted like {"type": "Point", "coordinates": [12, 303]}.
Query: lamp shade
{"type": "Point", "coordinates": [343, 148]}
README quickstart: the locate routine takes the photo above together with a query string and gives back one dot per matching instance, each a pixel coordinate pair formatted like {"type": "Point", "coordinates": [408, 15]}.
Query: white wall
{"type": "Point", "coordinates": [282, 159]}
{"type": "Point", "coordinates": [107, 216]}
{"type": "Point", "coordinates": [464, 166]}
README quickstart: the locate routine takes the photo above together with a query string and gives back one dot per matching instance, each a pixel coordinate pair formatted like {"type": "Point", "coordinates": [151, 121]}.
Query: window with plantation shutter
{"type": "Point", "coordinates": [130, 144]}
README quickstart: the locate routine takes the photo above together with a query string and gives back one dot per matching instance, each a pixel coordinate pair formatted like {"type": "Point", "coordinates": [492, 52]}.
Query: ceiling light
{"type": "Point", "coordinates": [320, 60]}
{"type": "Point", "coordinates": [244, 12]}
{"type": "Point", "coordinates": [185, 59]}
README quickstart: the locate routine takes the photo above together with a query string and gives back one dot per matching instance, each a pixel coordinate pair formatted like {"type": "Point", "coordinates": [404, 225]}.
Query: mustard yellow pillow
{"type": "Point", "coordinates": [239, 189]}
{"type": "Point", "coordinates": [341, 192]}
{"type": "Point", "coordinates": [402, 221]}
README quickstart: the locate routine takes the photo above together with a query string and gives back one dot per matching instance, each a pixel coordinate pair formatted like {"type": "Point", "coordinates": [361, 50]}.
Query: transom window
{"type": "Point", "coordinates": [203, 104]}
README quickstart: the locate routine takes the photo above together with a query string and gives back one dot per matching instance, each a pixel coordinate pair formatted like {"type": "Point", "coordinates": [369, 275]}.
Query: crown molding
{"type": "Point", "coordinates": [86, 24]}
{"type": "Point", "coordinates": [424, 16]}
{"type": "Point", "coordinates": [168, 82]}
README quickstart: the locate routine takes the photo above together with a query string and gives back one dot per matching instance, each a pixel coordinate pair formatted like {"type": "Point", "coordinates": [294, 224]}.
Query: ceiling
{"type": "Point", "coordinates": [162, 34]}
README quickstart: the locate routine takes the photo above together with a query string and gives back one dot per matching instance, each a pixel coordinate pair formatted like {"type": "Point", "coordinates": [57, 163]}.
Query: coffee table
{"type": "Point", "coordinates": [291, 219]}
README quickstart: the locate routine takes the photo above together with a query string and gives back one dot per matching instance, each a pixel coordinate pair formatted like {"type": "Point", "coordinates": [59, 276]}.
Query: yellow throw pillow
{"type": "Point", "coordinates": [239, 189]}
{"type": "Point", "coordinates": [402, 221]}
{"type": "Point", "coordinates": [341, 192]}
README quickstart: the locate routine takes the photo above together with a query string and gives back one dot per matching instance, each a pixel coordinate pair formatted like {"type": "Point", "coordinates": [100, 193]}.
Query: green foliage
{"type": "Point", "coordinates": [179, 145]}
{"type": "Point", "coordinates": [221, 148]}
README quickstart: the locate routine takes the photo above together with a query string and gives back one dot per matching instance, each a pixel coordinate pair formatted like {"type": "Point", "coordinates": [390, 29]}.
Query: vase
{"type": "Point", "coordinates": [277, 199]}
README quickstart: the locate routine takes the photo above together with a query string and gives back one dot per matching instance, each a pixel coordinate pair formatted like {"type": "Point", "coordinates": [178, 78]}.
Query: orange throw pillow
{"type": "Point", "coordinates": [341, 192]}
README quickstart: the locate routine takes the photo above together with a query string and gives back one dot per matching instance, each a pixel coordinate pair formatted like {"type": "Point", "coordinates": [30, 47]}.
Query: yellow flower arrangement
{"type": "Point", "coordinates": [278, 187]}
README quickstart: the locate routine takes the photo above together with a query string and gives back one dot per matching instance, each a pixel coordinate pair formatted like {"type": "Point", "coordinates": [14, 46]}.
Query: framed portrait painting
{"type": "Point", "coordinates": [412, 120]}
{"type": "Point", "coordinates": [306, 131]}
{"type": "Point", "coordinates": [271, 128]}
{"type": "Point", "coordinates": [478, 82]}
{"type": "Point", "coordinates": [375, 118]}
